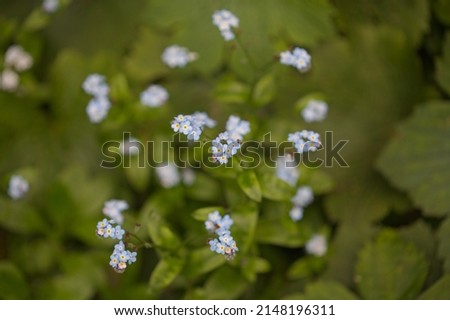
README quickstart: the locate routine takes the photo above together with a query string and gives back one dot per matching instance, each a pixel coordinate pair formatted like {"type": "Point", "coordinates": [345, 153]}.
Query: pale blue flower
{"type": "Point", "coordinates": [50, 5]}
{"type": "Point", "coordinates": [168, 175]}
{"type": "Point", "coordinates": [225, 21]}
{"type": "Point", "coordinates": [95, 85]}
{"type": "Point", "coordinates": [9, 80]}
{"type": "Point", "coordinates": [18, 187]}
{"type": "Point", "coordinates": [98, 109]}
{"type": "Point", "coordinates": [296, 213]}
{"type": "Point", "coordinates": [17, 58]}
{"type": "Point", "coordinates": [287, 170]}
{"type": "Point", "coordinates": [305, 141]}
{"type": "Point", "coordinates": [303, 197]}
{"type": "Point", "coordinates": [176, 56]}
{"type": "Point", "coordinates": [113, 209]}
{"type": "Point", "coordinates": [192, 125]}
{"type": "Point", "coordinates": [237, 128]}
{"type": "Point", "coordinates": [118, 233]}
{"type": "Point", "coordinates": [317, 245]}
{"type": "Point", "coordinates": [315, 110]}
{"type": "Point", "coordinates": [154, 96]}
{"type": "Point", "coordinates": [299, 58]}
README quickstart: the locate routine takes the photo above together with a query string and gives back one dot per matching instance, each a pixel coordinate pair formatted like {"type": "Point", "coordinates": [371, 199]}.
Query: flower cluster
{"type": "Point", "coordinates": [305, 141]}
{"type": "Point", "coordinates": [121, 257]}
{"type": "Point", "coordinates": [315, 110]}
{"type": "Point", "coordinates": [287, 169]}
{"type": "Point", "coordinates": [224, 244]}
{"type": "Point", "coordinates": [225, 20]}
{"type": "Point", "coordinates": [317, 245]}
{"type": "Point", "coordinates": [223, 148]}
{"type": "Point", "coordinates": [299, 58]}
{"type": "Point", "coordinates": [303, 198]}
{"type": "Point", "coordinates": [228, 143]}
{"type": "Point", "coordinates": [50, 5]}
{"type": "Point", "coordinates": [176, 56]}
{"type": "Point", "coordinates": [98, 107]}
{"type": "Point", "coordinates": [16, 60]}
{"type": "Point", "coordinates": [237, 128]}
{"type": "Point", "coordinates": [18, 187]}
{"type": "Point", "coordinates": [113, 210]}
{"type": "Point", "coordinates": [107, 229]}
{"type": "Point", "coordinates": [154, 96]}
{"type": "Point", "coordinates": [192, 125]}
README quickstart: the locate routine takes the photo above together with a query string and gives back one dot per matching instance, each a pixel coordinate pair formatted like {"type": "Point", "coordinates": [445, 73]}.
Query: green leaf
{"type": "Point", "coordinates": [64, 287]}
{"type": "Point", "coordinates": [252, 266]}
{"type": "Point", "coordinates": [276, 227]}
{"type": "Point", "coordinates": [138, 176]}
{"type": "Point", "coordinates": [346, 245]}
{"type": "Point", "coordinates": [249, 183]}
{"type": "Point", "coordinates": [225, 283]}
{"type": "Point", "coordinates": [229, 90]}
{"type": "Point", "coordinates": [409, 16]}
{"type": "Point", "coordinates": [443, 65]}
{"type": "Point", "coordinates": [441, 9]}
{"type": "Point", "coordinates": [264, 90]}
{"type": "Point", "coordinates": [324, 290]}
{"type": "Point", "coordinates": [443, 235]}
{"type": "Point", "coordinates": [144, 61]}
{"type": "Point", "coordinates": [275, 189]}
{"type": "Point", "coordinates": [20, 217]}
{"type": "Point", "coordinates": [161, 234]}
{"type": "Point", "coordinates": [12, 282]}
{"type": "Point", "coordinates": [305, 267]}
{"type": "Point", "coordinates": [245, 217]}
{"type": "Point", "coordinates": [202, 214]}
{"type": "Point", "coordinates": [416, 160]}
{"type": "Point", "coordinates": [389, 268]}
{"type": "Point", "coordinates": [165, 273]}
{"type": "Point", "coordinates": [439, 290]}
{"type": "Point", "coordinates": [201, 261]}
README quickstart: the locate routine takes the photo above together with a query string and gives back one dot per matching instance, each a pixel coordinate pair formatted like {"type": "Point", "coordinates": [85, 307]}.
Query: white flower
{"type": "Point", "coordinates": [287, 169]}
{"type": "Point", "coordinates": [130, 146]}
{"type": "Point", "coordinates": [224, 147]}
{"type": "Point", "coordinates": [18, 187]}
{"type": "Point", "coordinates": [317, 245]}
{"type": "Point", "coordinates": [176, 56]}
{"type": "Point", "coordinates": [113, 210]}
{"type": "Point", "coordinates": [50, 5]}
{"type": "Point", "coordinates": [9, 80]}
{"type": "Point", "coordinates": [188, 176]}
{"type": "Point", "coordinates": [95, 84]}
{"type": "Point", "coordinates": [237, 128]}
{"type": "Point", "coordinates": [168, 175]}
{"type": "Point", "coordinates": [17, 58]}
{"type": "Point", "coordinates": [98, 109]}
{"type": "Point", "coordinates": [296, 213]}
{"type": "Point", "coordinates": [303, 197]}
{"type": "Point", "coordinates": [225, 20]}
{"type": "Point", "coordinates": [315, 110]}
{"type": "Point", "coordinates": [154, 96]}
{"type": "Point", "coordinates": [299, 58]}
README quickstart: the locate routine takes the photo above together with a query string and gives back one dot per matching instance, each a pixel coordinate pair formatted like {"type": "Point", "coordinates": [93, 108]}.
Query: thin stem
{"type": "Point", "coordinates": [247, 54]}
{"type": "Point", "coordinates": [145, 243]}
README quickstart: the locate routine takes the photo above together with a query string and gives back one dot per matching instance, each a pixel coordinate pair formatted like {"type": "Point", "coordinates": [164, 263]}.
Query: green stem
{"type": "Point", "coordinates": [247, 54]}
{"type": "Point", "coordinates": [145, 243]}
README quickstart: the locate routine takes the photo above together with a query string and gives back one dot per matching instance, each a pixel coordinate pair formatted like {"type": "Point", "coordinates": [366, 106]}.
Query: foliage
{"type": "Point", "coordinates": [382, 67]}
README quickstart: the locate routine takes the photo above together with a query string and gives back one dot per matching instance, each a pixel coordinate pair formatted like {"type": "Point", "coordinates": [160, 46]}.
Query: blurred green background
{"type": "Point", "coordinates": [382, 66]}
